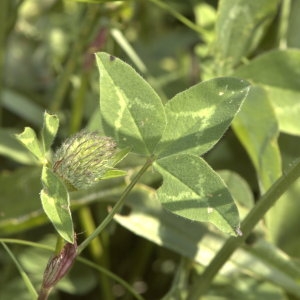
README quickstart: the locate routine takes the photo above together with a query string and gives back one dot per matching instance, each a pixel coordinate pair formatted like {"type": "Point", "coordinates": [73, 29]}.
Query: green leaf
{"type": "Point", "coordinates": [113, 174]}
{"type": "Point", "coordinates": [50, 127]}
{"type": "Point", "coordinates": [10, 147]}
{"type": "Point", "coordinates": [56, 204]}
{"type": "Point", "coordinates": [131, 111]}
{"type": "Point", "coordinates": [278, 72]}
{"type": "Point", "coordinates": [29, 139]}
{"type": "Point", "coordinates": [191, 189]}
{"type": "Point", "coordinates": [120, 155]}
{"type": "Point", "coordinates": [24, 212]}
{"type": "Point", "coordinates": [257, 129]}
{"type": "Point", "coordinates": [240, 27]}
{"type": "Point", "coordinates": [199, 116]}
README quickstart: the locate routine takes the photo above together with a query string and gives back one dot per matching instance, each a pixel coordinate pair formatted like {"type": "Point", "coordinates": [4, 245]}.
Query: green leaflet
{"type": "Point", "coordinates": [198, 117]}
{"type": "Point", "coordinates": [56, 204]}
{"type": "Point", "coordinates": [54, 195]}
{"type": "Point", "coordinates": [40, 148]}
{"type": "Point", "coordinates": [131, 111]}
{"type": "Point", "coordinates": [49, 130]}
{"type": "Point", "coordinates": [191, 189]}
{"type": "Point", "coordinates": [11, 148]}
{"type": "Point", "coordinates": [29, 139]}
{"type": "Point", "coordinates": [190, 123]}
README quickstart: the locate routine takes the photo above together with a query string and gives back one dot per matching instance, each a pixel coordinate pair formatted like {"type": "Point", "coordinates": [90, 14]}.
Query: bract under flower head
{"type": "Point", "coordinates": [83, 159]}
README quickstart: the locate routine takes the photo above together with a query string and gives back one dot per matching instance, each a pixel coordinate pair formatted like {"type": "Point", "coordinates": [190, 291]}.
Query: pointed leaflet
{"type": "Point", "coordinates": [199, 116]}
{"type": "Point", "coordinates": [29, 140]}
{"type": "Point", "coordinates": [191, 189]}
{"type": "Point", "coordinates": [50, 127]}
{"type": "Point", "coordinates": [56, 204]}
{"type": "Point", "coordinates": [131, 111]}
{"type": "Point", "coordinates": [13, 149]}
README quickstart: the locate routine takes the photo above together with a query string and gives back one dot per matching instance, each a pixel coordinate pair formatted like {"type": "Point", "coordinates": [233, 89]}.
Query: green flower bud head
{"type": "Point", "coordinates": [85, 158]}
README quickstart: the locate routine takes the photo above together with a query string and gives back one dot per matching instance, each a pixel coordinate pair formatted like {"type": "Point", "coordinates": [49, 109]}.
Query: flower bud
{"type": "Point", "coordinates": [59, 265]}
{"type": "Point", "coordinates": [84, 159]}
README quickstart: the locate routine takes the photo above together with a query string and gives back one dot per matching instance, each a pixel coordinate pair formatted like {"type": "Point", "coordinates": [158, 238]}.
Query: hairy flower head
{"type": "Point", "coordinates": [84, 159]}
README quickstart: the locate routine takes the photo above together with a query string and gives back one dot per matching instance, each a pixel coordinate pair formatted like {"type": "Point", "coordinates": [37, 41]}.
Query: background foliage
{"type": "Point", "coordinates": [47, 62]}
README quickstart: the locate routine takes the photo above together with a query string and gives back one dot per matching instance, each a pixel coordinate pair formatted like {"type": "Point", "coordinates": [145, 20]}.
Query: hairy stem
{"type": "Point", "coordinates": [116, 207]}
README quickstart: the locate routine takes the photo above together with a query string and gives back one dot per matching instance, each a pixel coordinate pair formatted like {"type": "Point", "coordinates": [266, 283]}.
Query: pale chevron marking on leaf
{"type": "Point", "coordinates": [120, 112]}
{"type": "Point", "coordinates": [202, 113]}
{"type": "Point", "coordinates": [210, 210]}
{"type": "Point", "coordinates": [123, 107]}
{"type": "Point", "coordinates": [203, 116]}
{"type": "Point", "coordinates": [194, 192]}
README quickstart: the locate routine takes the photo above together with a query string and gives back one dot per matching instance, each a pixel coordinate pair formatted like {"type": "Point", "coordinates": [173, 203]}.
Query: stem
{"type": "Point", "coordinates": [25, 277]}
{"type": "Point", "coordinates": [248, 224]}
{"type": "Point", "coordinates": [112, 276]}
{"type": "Point", "coordinates": [178, 16]}
{"type": "Point", "coordinates": [60, 242]}
{"type": "Point", "coordinates": [284, 23]}
{"type": "Point", "coordinates": [43, 294]}
{"type": "Point", "coordinates": [116, 207]}
{"type": "Point", "coordinates": [80, 259]}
